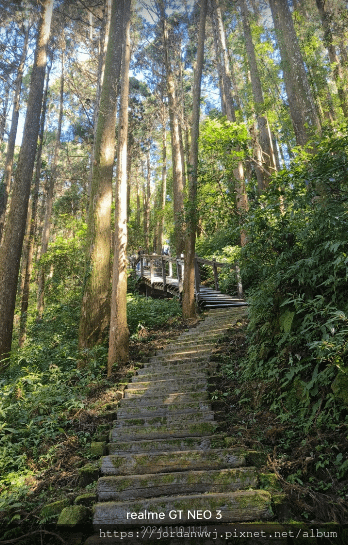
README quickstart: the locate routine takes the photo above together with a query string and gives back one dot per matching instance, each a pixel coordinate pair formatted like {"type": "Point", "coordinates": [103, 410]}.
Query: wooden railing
{"type": "Point", "coordinates": [173, 267]}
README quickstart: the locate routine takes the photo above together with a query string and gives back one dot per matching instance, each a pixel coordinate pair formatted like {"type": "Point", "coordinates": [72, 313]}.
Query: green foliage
{"type": "Point", "coordinates": [295, 270]}
{"type": "Point", "coordinates": [150, 313]}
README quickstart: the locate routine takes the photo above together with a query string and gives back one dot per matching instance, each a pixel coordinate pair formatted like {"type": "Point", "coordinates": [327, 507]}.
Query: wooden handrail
{"type": "Point", "coordinates": [179, 262]}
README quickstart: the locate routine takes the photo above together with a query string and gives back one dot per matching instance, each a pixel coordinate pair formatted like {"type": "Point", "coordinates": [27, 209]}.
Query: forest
{"type": "Point", "coordinates": [210, 128]}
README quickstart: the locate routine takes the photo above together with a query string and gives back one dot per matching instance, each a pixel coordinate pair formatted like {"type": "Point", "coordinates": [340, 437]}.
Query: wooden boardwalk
{"type": "Point", "coordinates": [165, 274]}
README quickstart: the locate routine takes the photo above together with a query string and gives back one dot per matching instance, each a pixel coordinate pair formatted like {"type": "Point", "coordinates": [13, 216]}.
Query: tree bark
{"type": "Point", "coordinates": [33, 220]}
{"type": "Point", "coordinates": [5, 184]}
{"type": "Point", "coordinates": [119, 332]}
{"type": "Point", "coordinates": [50, 195]}
{"type": "Point", "coordinates": [188, 302]}
{"type": "Point", "coordinates": [11, 248]}
{"type": "Point", "coordinates": [95, 310]}
{"type": "Point", "coordinates": [267, 166]}
{"type": "Point", "coordinates": [178, 175]}
{"type": "Point", "coordinates": [241, 196]}
{"type": "Point", "coordinates": [3, 114]}
{"type": "Point", "coordinates": [302, 107]}
{"type": "Point", "coordinates": [334, 60]}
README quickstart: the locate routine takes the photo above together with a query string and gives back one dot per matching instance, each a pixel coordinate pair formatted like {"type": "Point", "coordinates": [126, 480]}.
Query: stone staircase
{"type": "Point", "coordinates": [167, 464]}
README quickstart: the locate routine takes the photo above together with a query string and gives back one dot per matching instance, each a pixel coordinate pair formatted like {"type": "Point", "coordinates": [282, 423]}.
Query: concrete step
{"type": "Point", "coordinates": [174, 419]}
{"type": "Point", "coordinates": [185, 346]}
{"type": "Point", "coordinates": [165, 389]}
{"type": "Point", "coordinates": [171, 444]}
{"type": "Point", "coordinates": [129, 411]}
{"type": "Point", "coordinates": [165, 398]}
{"type": "Point", "coordinates": [166, 462]}
{"type": "Point", "coordinates": [174, 365]}
{"type": "Point", "coordinates": [239, 506]}
{"type": "Point", "coordinates": [167, 383]}
{"type": "Point", "coordinates": [181, 358]}
{"type": "Point", "coordinates": [132, 487]}
{"type": "Point", "coordinates": [162, 372]}
{"type": "Point", "coordinates": [194, 429]}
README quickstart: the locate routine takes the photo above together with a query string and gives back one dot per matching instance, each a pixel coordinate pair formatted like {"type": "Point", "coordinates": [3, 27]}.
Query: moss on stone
{"type": "Point", "coordinates": [74, 515]}
{"type": "Point", "coordinates": [88, 474]}
{"type": "Point", "coordinates": [98, 448]}
{"type": "Point", "coordinates": [53, 509]}
{"type": "Point", "coordinates": [256, 458]}
{"type": "Point", "coordinates": [86, 499]}
{"type": "Point", "coordinates": [269, 481]}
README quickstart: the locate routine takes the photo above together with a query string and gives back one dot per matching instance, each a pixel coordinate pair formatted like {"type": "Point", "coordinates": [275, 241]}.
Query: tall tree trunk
{"type": "Point", "coordinates": [163, 193]}
{"type": "Point", "coordinates": [241, 196]}
{"type": "Point", "coordinates": [11, 248]}
{"type": "Point", "coordinates": [302, 107]}
{"type": "Point", "coordinates": [33, 219]}
{"type": "Point", "coordinates": [104, 37]}
{"type": "Point", "coordinates": [264, 138]}
{"type": "Point", "coordinates": [50, 194]}
{"type": "Point", "coordinates": [3, 114]}
{"type": "Point", "coordinates": [334, 60]}
{"type": "Point", "coordinates": [224, 60]}
{"type": "Point", "coordinates": [119, 332]}
{"type": "Point", "coordinates": [95, 311]}
{"type": "Point", "coordinates": [178, 181]}
{"type": "Point", "coordinates": [188, 302]}
{"type": "Point", "coordinates": [5, 184]}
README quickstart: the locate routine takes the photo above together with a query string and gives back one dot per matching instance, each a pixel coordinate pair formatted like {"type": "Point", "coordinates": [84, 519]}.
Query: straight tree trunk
{"type": "Point", "coordinates": [334, 60]}
{"type": "Point", "coordinates": [119, 332]}
{"type": "Point", "coordinates": [241, 196]}
{"type": "Point", "coordinates": [11, 248]}
{"type": "Point", "coordinates": [33, 219]}
{"type": "Point", "coordinates": [95, 310]}
{"type": "Point", "coordinates": [178, 175]}
{"type": "Point", "coordinates": [301, 103]}
{"type": "Point", "coordinates": [188, 302]}
{"type": "Point", "coordinates": [50, 195]}
{"type": "Point", "coordinates": [3, 115]}
{"type": "Point", "coordinates": [104, 37]}
{"type": "Point", "coordinates": [264, 138]}
{"type": "Point", "coordinates": [164, 177]}
{"type": "Point", "coordinates": [5, 184]}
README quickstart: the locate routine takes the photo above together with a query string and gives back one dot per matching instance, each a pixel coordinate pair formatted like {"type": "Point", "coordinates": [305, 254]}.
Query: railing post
{"type": "Point", "coordinates": [141, 266]}
{"type": "Point", "coordinates": [152, 263]}
{"type": "Point", "coordinates": [164, 275]}
{"type": "Point", "coordinates": [197, 278]}
{"type": "Point", "coordinates": [216, 278]}
{"type": "Point", "coordinates": [239, 282]}
{"type": "Point", "coordinates": [170, 268]}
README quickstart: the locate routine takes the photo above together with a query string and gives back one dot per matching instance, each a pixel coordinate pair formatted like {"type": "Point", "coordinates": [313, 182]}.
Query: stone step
{"type": "Point", "coordinates": [161, 384]}
{"type": "Point", "coordinates": [168, 420]}
{"type": "Point", "coordinates": [187, 346]}
{"type": "Point", "coordinates": [132, 487]}
{"type": "Point", "coordinates": [174, 365]}
{"type": "Point", "coordinates": [165, 462]}
{"type": "Point", "coordinates": [129, 411]}
{"type": "Point", "coordinates": [239, 506]}
{"type": "Point", "coordinates": [162, 372]}
{"type": "Point", "coordinates": [194, 429]}
{"type": "Point", "coordinates": [167, 445]}
{"type": "Point", "coordinates": [165, 398]}
{"type": "Point", "coordinates": [183, 350]}
{"type": "Point", "coordinates": [178, 358]}
{"type": "Point", "coordinates": [165, 389]}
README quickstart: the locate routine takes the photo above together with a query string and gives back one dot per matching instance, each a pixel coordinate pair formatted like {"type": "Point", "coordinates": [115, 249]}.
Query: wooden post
{"type": "Point", "coordinates": [141, 266]}
{"type": "Point", "coordinates": [216, 278]}
{"type": "Point", "coordinates": [197, 278]}
{"type": "Point", "coordinates": [164, 276]}
{"type": "Point", "coordinates": [152, 263]}
{"type": "Point", "coordinates": [170, 263]}
{"type": "Point", "coordinates": [179, 273]}
{"type": "Point", "coordinates": [239, 282]}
